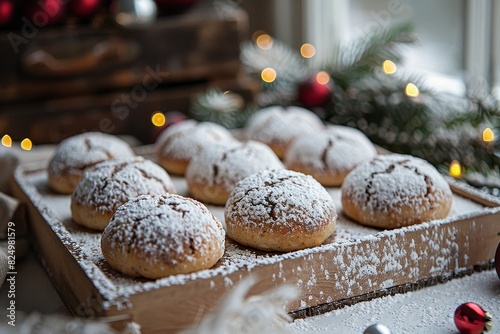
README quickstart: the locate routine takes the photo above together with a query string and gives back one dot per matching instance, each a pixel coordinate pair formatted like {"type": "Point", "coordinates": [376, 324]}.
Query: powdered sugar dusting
{"type": "Point", "coordinates": [338, 148]}
{"type": "Point", "coordinates": [280, 197]}
{"type": "Point", "coordinates": [339, 251]}
{"type": "Point", "coordinates": [76, 153]}
{"type": "Point", "coordinates": [164, 229]}
{"type": "Point", "coordinates": [227, 164]}
{"type": "Point", "coordinates": [282, 125]}
{"type": "Point", "coordinates": [186, 139]}
{"type": "Point", "coordinates": [390, 182]}
{"type": "Point", "coordinates": [109, 184]}
{"type": "Point", "coordinates": [426, 311]}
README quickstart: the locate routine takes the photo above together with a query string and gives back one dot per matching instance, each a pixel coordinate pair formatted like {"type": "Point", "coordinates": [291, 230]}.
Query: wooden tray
{"type": "Point", "coordinates": [357, 263]}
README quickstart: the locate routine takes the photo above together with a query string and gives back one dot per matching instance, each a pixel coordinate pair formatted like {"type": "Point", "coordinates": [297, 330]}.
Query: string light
{"type": "Point", "coordinates": [26, 144]}
{"type": "Point", "coordinates": [455, 169]}
{"type": "Point", "coordinates": [256, 34]}
{"type": "Point", "coordinates": [322, 78]}
{"type": "Point", "coordinates": [488, 135]}
{"type": "Point", "coordinates": [307, 50]}
{"type": "Point", "coordinates": [389, 67]}
{"type": "Point", "coordinates": [264, 42]}
{"type": "Point", "coordinates": [7, 141]}
{"type": "Point", "coordinates": [158, 119]}
{"type": "Point", "coordinates": [268, 74]}
{"type": "Point", "coordinates": [411, 90]}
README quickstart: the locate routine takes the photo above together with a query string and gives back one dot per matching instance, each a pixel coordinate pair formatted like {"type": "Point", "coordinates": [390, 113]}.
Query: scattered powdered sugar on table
{"type": "Point", "coordinates": [85, 247]}
{"type": "Point", "coordinates": [425, 311]}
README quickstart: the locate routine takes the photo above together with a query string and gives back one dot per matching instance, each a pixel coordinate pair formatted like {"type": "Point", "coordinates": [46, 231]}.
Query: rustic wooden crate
{"type": "Point", "coordinates": [56, 119]}
{"type": "Point", "coordinates": [358, 263]}
{"type": "Point", "coordinates": [201, 45]}
{"type": "Point", "coordinates": [61, 82]}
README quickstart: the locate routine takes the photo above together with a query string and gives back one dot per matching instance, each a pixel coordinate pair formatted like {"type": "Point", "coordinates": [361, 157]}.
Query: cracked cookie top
{"type": "Point", "coordinates": [109, 184]}
{"type": "Point", "coordinates": [329, 155]}
{"type": "Point", "coordinates": [184, 140]}
{"type": "Point", "coordinates": [164, 229]}
{"type": "Point", "coordinates": [73, 155]}
{"type": "Point", "coordinates": [278, 127]}
{"type": "Point", "coordinates": [281, 200]}
{"type": "Point", "coordinates": [225, 165]}
{"type": "Point", "coordinates": [401, 187]}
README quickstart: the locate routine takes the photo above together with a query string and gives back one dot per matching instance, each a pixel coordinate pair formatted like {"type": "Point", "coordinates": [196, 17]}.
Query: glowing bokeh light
{"type": "Point", "coordinates": [158, 119]}
{"type": "Point", "coordinates": [264, 41]}
{"type": "Point", "coordinates": [268, 74]}
{"type": "Point", "coordinates": [307, 50]}
{"type": "Point", "coordinates": [257, 33]}
{"type": "Point", "coordinates": [6, 141]}
{"type": "Point", "coordinates": [455, 169]}
{"type": "Point", "coordinates": [411, 90]}
{"type": "Point", "coordinates": [26, 144]}
{"type": "Point", "coordinates": [389, 67]}
{"type": "Point", "coordinates": [322, 78]}
{"type": "Point", "coordinates": [488, 135]}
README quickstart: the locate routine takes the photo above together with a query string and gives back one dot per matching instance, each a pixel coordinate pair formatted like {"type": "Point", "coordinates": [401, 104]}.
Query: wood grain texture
{"type": "Point", "coordinates": [346, 271]}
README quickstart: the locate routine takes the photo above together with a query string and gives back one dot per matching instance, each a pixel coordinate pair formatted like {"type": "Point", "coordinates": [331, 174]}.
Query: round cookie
{"type": "Point", "coordinates": [280, 210]}
{"type": "Point", "coordinates": [329, 155]}
{"type": "Point", "coordinates": [110, 184]}
{"type": "Point", "coordinates": [278, 127]}
{"type": "Point", "coordinates": [180, 142]}
{"type": "Point", "coordinates": [74, 154]}
{"type": "Point", "coordinates": [213, 173]}
{"type": "Point", "coordinates": [395, 190]}
{"type": "Point", "coordinates": [157, 236]}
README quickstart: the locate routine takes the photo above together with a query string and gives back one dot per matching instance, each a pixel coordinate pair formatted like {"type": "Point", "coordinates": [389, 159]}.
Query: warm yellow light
{"type": "Point", "coordinates": [268, 74]}
{"type": "Point", "coordinates": [158, 119]}
{"type": "Point", "coordinates": [455, 169]}
{"type": "Point", "coordinates": [307, 50]}
{"type": "Point", "coordinates": [389, 67]}
{"type": "Point", "coordinates": [257, 33]}
{"type": "Point", "coordinates": [264, 41]}
{"type": "Point", "coordinates": [411, 90]}
{"type": "Point", "coordinates": [488, 135]}
{"type": "Point", "coordinates": [322, 77]}
{"type": "Point", "coordinates": [6, 141]}
{"type": "Point", "coordinates": [26, 144]}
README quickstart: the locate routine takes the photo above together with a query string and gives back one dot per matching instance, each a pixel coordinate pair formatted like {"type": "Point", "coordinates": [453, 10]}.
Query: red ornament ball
{"type": "Point", "coordinates": [84, 9]}
{"type": "Point", "coordinates": [44, 12]}
{"type": "Point", "coordinates": [172, 7]}
{"type": "Point", "coordinates": [316, 91]}
{"type": "Point", "coordinates": [470, 318]}
{"type": "Point", "coordinates": [6, 12]}
{"type": "Point", "coordinates": [497, 260]}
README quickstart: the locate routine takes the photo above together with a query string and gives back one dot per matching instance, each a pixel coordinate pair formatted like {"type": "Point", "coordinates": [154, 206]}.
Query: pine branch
{"type": "Point", "coordinates": [356, 59]}
{"type": "Point", "coordinates": [288, 64]}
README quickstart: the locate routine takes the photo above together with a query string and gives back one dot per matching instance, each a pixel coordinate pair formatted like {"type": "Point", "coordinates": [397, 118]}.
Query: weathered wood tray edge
{"type": "Point", "coordinates": [325, 275]}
